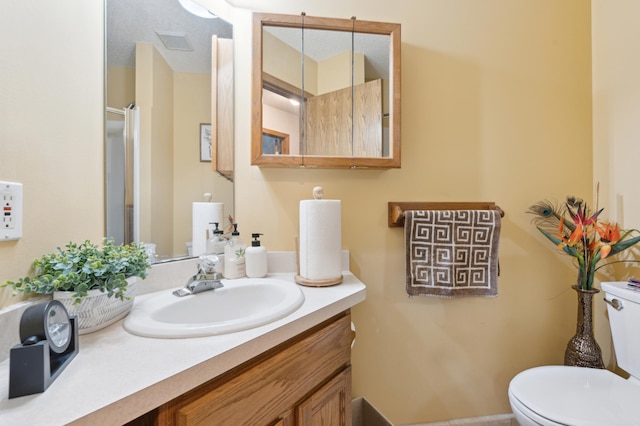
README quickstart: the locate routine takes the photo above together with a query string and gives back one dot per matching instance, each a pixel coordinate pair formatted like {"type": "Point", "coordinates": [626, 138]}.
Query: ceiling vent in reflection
{"type": "Point", "coordinates": [174, 41]}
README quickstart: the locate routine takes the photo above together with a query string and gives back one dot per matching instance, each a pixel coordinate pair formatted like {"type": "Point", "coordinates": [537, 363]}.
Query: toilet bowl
{"type": "Point", "coordinates": [562, 395]}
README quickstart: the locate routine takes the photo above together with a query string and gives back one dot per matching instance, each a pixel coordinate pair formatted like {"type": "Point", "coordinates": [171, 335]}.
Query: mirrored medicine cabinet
{"type": "Point", "coordinates": [326, 92]}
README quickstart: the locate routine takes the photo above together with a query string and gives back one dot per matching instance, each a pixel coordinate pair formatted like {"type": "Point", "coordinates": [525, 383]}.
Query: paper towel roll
{"type": "Point", "coordinates": [202, 215]}
{"type": "Point", "coordinates": [320, 240]}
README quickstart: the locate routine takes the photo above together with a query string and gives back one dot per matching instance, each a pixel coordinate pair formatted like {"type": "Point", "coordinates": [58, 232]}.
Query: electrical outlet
{"type": "Point", "coordinates": [11, 219]}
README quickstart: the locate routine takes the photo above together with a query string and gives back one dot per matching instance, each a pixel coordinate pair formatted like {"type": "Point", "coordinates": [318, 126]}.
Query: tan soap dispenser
{"type": "Point", "coordinates": [234, 255]}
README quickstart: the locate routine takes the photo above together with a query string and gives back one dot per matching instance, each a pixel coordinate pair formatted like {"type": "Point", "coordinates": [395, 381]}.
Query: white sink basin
{"type": "Point", "coordinates": [241, 304]}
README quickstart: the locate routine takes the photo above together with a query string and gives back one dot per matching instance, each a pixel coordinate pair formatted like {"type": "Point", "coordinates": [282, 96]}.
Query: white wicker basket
{"type": "Point", "coordinates": [97, 310]}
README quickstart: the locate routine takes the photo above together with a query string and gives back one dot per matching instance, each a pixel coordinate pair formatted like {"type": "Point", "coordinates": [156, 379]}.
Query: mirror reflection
{"type": "Point", "coordinates": [330, 88]}
{"type": "Point", "coordinates": [158, 99]}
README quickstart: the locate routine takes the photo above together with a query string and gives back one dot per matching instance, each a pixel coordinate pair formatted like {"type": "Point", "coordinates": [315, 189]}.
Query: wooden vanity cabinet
{"type": "Point", "coordinates": [304, 381]}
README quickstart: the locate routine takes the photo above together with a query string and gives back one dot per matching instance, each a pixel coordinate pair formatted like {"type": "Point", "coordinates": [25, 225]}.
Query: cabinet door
{"type": "Point", "coordinates": [264, 389]}
{"type": "Point", "coordinates": [287, 419]}
{"type": "Point", "coordinates": [222, 106]}
{"type": "Point", "coordinates": [330, 405]}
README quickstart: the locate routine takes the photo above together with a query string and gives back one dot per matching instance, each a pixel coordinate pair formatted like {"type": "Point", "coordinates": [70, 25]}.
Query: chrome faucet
{"type": "Point", "coordinates": [206, 278]}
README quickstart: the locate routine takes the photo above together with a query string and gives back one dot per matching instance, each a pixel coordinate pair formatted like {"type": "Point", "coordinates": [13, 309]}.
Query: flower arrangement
{"type": "Point", "coordinates": [578, 232]}
{"type": "Point", "coordinates": [83, 267]}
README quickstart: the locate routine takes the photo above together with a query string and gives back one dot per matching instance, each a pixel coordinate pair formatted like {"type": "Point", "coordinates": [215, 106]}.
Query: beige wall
{"type": "Point", "coordinates": [616, 114]}
{"type": "Point", "coordinates": [192, 178]}
{"type": "Point", "coordinates": [283, 62]}
{"type": "Point", "coordinates": [51, 130]}
{"type": "Point", "coordinates": [121, 87]}
{"type": "Point", "coordinates": [335, 73]}
{"type": "Point", "coordinates": [616, 107]}
{"type": "Point", "coordinates": [154, 96]}
{"type": "Point", "coordinates": [496, 105]}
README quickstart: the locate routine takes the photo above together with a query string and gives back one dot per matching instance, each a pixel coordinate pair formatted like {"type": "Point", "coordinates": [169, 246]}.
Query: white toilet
{"type": "Point", "coordinates": [561, 395]}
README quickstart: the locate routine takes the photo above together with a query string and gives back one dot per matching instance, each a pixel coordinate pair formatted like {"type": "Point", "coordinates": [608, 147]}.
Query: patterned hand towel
{"type": "Point", "coordinates": [452, 253]}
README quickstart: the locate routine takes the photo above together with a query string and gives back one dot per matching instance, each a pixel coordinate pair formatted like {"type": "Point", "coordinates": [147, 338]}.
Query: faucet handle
{"type": "Point", "coordinates": [209, 263]}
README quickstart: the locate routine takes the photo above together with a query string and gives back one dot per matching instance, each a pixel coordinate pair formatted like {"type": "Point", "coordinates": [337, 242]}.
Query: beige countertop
{"type": "Point", "coordinates": [118, 376]}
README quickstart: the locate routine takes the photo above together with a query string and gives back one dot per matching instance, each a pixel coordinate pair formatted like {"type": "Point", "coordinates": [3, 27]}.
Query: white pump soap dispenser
{"type": "Point", "coordinates": [256, 258]}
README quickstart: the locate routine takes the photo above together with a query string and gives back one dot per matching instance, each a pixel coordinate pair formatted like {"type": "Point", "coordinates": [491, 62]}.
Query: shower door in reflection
{"type": "Point", "coordinates": [122, 184]}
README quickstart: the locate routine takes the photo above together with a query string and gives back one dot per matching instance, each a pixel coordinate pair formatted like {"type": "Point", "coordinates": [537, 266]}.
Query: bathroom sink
{"type": "Point", "coordinates": [240, 305]}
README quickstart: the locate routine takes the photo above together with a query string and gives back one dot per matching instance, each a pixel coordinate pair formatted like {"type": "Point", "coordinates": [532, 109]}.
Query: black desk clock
{"type": "Point", "coordinates": [49, 342]}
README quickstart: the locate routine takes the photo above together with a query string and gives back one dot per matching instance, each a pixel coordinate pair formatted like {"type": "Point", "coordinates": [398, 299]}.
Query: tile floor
{"type": "Point", "coordinates": [497, 420]}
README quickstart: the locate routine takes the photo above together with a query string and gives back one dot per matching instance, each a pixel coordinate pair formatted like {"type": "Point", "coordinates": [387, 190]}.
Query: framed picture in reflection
{"type": "Point", "coordinates": [205, 142]}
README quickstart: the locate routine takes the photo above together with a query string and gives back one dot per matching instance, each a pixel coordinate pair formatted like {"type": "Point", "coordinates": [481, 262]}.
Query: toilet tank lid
{"type": "Point", "coordinates": [577, 395]}
{"type": "Point", "coordinates": [620, 289]}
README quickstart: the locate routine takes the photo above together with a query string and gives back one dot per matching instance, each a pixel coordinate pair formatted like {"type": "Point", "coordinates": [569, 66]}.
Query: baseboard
{"type": "Point", "coordinates": [495, 420]}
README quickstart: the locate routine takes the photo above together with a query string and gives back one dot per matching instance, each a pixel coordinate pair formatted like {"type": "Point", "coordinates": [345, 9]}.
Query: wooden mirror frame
{"type": "Point", "coordinates": [315, 161]}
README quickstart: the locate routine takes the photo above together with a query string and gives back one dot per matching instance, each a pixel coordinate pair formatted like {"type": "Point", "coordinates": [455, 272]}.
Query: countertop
{"type": "Point", "coordinates": [118, 376]}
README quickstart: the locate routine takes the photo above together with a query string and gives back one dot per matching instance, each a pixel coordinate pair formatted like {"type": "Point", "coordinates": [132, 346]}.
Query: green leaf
{"type": "Point", "coordinates": [623, 245]}
{"type": "Point", "coordinates": [557, 241]}
{"type": "Point", "coordinates": [82, 267]}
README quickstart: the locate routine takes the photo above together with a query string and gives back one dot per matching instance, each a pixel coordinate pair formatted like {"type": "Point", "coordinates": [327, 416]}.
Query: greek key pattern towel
{"type": "Point", "coordinates": [451, 253]}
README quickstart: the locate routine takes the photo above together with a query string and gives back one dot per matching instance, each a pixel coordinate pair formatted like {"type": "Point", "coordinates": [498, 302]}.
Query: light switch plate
{"type": "Point", "coordinates": [11, 219]}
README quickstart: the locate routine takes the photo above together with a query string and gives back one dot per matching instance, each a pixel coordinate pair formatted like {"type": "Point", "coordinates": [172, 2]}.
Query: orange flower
{"type": "Point", "coordinates": [563, 240]}
{"type": "Point", "coordinates": [605, 249]}
{"type": "Point", "coordinates": [586, 239]}
{"type": "Point", "coordinates": [608, 232]}
{"type": "Point", "coordinates": [577, 234]}
{"type": "Point", "coordinates": [573, 239]}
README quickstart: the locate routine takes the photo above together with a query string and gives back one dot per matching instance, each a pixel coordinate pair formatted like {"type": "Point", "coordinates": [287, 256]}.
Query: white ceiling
{"type": "Point", "coordinates": [131, 21]}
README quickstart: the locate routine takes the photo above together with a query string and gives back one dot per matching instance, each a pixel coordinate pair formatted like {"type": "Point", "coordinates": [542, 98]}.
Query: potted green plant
{"type": "Point", "coordinates": [96, 284]}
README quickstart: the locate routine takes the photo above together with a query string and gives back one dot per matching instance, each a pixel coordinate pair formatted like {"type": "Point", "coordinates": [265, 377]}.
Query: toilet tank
{"type": "Point", "coordinates": [624, 325]}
